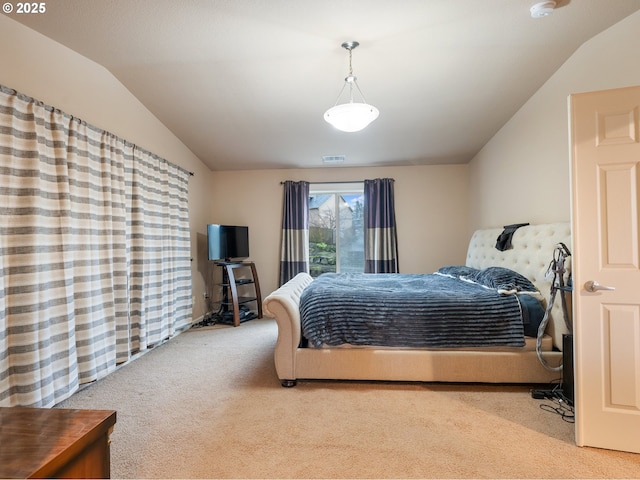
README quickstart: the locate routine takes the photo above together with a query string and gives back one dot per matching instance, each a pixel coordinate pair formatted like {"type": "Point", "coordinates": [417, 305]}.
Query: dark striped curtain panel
{"type": "Point", "coordinates": [294, 254]}
{"type": "Point", "coordinates": [95, 252]}
{"type": "Point", "coordinates": [380, 236]}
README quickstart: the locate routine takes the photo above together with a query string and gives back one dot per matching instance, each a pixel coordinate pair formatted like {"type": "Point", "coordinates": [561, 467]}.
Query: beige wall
{"type": "Point", "coordinates": [431, 212]}
{"type": "Point", "coordinates": [40, 68]}
{"type": "Point", "coordinates": [522, 174]}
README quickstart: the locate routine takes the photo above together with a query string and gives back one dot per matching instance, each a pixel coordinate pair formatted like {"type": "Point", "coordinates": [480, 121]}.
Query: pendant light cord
{"type": "Point", "coordinates": [350, 80]}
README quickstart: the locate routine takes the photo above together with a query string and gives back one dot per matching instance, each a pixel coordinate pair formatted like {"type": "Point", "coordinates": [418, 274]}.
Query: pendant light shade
{"type": "Point", "coordinates": [351, 116]}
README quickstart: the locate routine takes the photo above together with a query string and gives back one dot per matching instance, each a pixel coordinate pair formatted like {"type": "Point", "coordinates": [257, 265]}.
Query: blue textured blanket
{"type": "Point", "coordinates": [405, 310]}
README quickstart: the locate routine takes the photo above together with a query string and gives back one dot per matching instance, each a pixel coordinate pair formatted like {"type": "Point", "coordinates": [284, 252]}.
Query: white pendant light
{"type": "Point", "coordinates": [351, 116]}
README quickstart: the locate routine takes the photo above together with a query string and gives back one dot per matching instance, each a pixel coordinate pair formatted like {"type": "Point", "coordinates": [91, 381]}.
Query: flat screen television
{"type": "Point", "coordinates": [227, 242]}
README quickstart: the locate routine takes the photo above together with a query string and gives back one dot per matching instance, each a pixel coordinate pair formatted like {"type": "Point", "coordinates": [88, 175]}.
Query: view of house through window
{"type": "Point", "coordinates": [336, 228]}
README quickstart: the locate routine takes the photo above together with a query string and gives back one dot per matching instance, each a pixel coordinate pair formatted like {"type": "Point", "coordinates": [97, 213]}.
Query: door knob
{"type": "Point", "coordinates": [593, 286]}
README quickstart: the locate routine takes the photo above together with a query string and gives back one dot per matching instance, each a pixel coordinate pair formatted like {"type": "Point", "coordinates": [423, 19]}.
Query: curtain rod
{"type": "Point", "coordinates": [342, 181]}
{"type": "Point", "coordinates": [50, 108]}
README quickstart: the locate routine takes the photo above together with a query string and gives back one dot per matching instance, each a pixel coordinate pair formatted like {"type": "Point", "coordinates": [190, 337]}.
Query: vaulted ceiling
{"type": "Point", "coordinates": [244, 83]}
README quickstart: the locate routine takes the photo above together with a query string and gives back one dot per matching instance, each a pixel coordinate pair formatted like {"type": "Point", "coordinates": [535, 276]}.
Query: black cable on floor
{"type": "Point", "coordinates": [560, 407]}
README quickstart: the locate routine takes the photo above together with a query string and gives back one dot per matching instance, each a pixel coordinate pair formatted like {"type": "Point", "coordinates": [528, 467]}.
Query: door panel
{"type": "Point", "coordinates": [620, 343]}
{"type": "Point", "coordinates": [618, 197]}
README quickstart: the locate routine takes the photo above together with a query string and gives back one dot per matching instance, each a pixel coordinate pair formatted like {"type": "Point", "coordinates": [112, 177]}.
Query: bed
{"type": "Point", "coordinates": [532, 248]}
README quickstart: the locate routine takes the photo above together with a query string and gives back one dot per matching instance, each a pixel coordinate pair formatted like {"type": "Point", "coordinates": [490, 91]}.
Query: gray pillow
{"type": "Point", "coordinates": [502, 279]}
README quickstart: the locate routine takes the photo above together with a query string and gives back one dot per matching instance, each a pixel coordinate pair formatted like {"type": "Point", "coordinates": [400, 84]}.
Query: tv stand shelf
{"type": "Point", "coordinates": [231, 301]}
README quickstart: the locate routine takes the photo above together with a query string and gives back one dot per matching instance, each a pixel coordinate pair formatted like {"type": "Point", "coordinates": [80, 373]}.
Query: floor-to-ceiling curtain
{"type": "Point", "coordinates": [65, 212]}
{"type": "Point", "coordinates": [380, 236]}
{"type": "Point", "coordinates": [294, 254]}
{"type": "Point", "coordinates": [63, 278]}
{"type": "Point", "coordinates": [158, 249]}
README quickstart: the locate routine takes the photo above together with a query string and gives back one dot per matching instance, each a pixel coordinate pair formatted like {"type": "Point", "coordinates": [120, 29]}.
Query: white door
{"type": "Point", "coordinates": [605, 169]}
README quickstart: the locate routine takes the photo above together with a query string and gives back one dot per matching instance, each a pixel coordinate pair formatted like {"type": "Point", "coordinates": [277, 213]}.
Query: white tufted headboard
{"type": "Point", "coordinates": [532, 251]}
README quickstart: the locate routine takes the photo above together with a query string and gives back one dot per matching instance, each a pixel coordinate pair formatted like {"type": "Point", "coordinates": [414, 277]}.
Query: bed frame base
{"type": "Point", "coordinates": [415, 365]}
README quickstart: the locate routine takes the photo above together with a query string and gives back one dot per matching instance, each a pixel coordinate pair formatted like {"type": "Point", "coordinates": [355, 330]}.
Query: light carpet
{"type": "Point", "coordinates": [208, 404]}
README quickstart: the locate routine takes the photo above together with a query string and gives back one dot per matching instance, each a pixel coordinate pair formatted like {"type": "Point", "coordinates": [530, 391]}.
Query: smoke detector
{"type": "Point", "coordinates": [542, 9]}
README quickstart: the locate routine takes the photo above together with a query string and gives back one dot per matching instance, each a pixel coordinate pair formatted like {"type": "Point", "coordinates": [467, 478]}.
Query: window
{"type": "Point", "coordinates": [336, 228]}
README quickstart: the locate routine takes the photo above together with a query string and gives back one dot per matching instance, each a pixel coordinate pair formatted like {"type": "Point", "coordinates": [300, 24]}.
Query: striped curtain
{"type": "Point", "coordinates": [158, 250]}
{"type": "Point", "coordinates": [294, 255]}
{"type": "Point", "coordinates": [65, 211]}
{"type": "Point", "coordinates": [380, 236]}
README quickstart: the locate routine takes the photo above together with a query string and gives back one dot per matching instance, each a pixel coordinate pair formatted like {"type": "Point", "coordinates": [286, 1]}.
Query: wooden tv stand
{"type": "Point", "coordinates": [55, 443]}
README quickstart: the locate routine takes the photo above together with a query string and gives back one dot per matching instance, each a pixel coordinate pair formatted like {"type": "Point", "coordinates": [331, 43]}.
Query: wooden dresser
{"type": "Point", "coordinates": [55, 443]}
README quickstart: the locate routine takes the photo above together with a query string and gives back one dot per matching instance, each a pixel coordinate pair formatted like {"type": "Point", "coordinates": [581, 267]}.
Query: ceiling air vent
{"type": "Point", "coordinates": [333, 159]}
